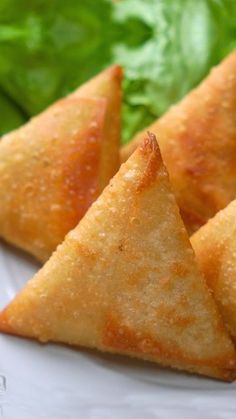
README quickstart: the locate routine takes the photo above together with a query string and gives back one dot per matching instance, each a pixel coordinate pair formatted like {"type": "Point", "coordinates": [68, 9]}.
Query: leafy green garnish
{"type": "Point", "coordinates": [11, 115]}
{"type": "Point", "coordinates": [184, 39]}
{"type": "Point", "coordinates": [48, 48]}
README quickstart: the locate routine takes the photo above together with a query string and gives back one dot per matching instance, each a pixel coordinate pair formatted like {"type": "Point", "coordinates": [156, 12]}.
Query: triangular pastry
{"type": "Point", "coordinates": [125, 280]}
{"type": "Point", "coordinates": [107, 85]}
{"type": "Point", "coordinates": [197, 139]}
{"type": "Point", "coordinates": [55, 166]}
{"type": "Point", "coordinates": [215, 248]}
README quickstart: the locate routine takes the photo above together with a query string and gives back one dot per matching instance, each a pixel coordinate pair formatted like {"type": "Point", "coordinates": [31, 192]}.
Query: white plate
{"type": "Point", "coordinates": [55, 382]}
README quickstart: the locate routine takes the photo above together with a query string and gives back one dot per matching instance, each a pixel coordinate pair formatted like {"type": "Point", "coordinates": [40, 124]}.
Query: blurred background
{"type": "Point", "coordinates": [50, 47]}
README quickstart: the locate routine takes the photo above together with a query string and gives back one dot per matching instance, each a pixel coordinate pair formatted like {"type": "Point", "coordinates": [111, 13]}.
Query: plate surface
{"type": "Point", "coordinates": [55, 382]}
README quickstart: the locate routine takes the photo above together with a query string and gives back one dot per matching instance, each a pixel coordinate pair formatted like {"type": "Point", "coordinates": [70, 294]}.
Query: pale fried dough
{"type": "Point", "coordinates": [55, 166]}
{"type": "Point", "coordinates": [125, 280]}
{"type": "Point", "coordinates": [197, 139]}
{"type": "Point", "coordinates": [215, 248]}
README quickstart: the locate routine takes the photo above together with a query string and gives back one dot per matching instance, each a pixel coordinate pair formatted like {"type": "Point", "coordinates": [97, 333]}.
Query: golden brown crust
{"type": "Point", "coordinates": [197, 138]}
{"type": "Point", "coordinates": [215, 248]}
{"type": "Point", "coordinates": [125, 281]}
{"type": "Point", "coordinates": [108, 84]}
{"type": "Point", "coordinates": [55, 166]}
{"type": "Point", "coordinates": [150, 150]}
{"type": "Point", "coordinates": [5, 326]}
{"type": "Point", "coordinates": [44, 169]}
{"type": "Point", "coordinates": [125, 340]}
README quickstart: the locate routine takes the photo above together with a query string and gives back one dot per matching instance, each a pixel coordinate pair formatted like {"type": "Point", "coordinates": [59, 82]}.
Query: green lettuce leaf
{"type": "Point", "coordinates": [182, 40]}
{"type": "Point", "coordinates": [48, 48]}
{"type": "Point", "coordinates": [11, 115]}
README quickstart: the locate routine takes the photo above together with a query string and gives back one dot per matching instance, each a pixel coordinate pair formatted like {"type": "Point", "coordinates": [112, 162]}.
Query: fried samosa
{"type": "Point", "coordinates": [55, 166]}
{"type": "Point", "coordinates": [125, 280]}
{"type": "Point", "coordinates": [108, 85]}
{"type": "Point", "coordinates": [197, 139]}
{"type": "Point", "coordinates": [215, 248]}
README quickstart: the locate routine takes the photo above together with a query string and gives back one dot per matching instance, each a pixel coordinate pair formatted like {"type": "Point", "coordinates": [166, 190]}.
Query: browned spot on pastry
{"type": "Point", "coordinates": [122, 338]}
{"type": "Point", "coordinates": [179, 269]}
{"type": "Point", "coordinates": [150, 150]}
{"type": "Point", "coordinates": [192, 219]}
{"type": "Point", "coordinates": [4, 323]}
